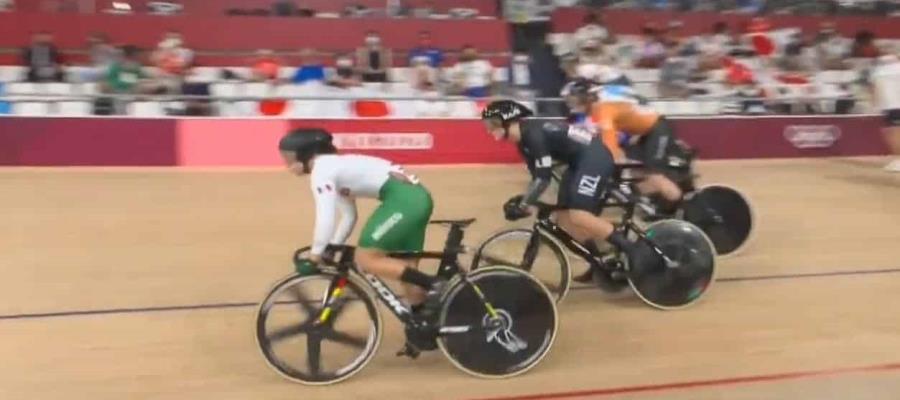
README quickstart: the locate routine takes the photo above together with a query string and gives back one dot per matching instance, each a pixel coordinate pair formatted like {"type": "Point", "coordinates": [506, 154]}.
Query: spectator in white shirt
{"type": "Point", "coordinates": [831, 49]}
{"type": "Point", "coordinates": [472, 75]}
{"type": "Point", "coordinates": [374, 60]}
{"type": "Point", "coordinates": [173, 60]}
{"type": "Point", "coordinates": [652, 50]}
{"type": "Point", "coordinates": [591, 52]}
{"type": "Point", "coordinates": [422, 76]}
{"type": "Point", "coordinates": [714, 46]}
{"type": "Point", "coordinates": [885, 81]}
{"type": "Point", "coordinates": [344, 74]}
{"type": "Point", "coordinates": [593, 29]}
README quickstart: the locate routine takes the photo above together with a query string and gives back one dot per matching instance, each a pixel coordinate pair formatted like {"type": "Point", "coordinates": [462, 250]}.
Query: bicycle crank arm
{"type": "Point", "coordinates": [454, 330]}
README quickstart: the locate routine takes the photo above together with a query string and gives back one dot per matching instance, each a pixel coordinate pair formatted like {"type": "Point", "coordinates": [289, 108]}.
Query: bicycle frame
{"type": "Point", "coordinates": [616, 195]}
{"type": "Point", "coordinates": [449, 267]}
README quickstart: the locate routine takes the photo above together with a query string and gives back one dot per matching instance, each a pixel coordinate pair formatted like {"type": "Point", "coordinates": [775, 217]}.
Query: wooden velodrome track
{"type": "Point", "coordinates": [142, 284]}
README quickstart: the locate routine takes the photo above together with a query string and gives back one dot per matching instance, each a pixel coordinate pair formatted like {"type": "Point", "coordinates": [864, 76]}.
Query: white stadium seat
{"type": "Point", "coordinates": [288, 91]}
{"type": "Point", "coordinates": [145, 109]}
{"type": "Point", "coordinates": [303, 108]}
{"type": "Point", "coordinates": [12, 73]}
{"type": "Point", "coordinates": [87, 88]}
{"type": "Point", "coordinates": [58, 88]}
{"type": "Point", "coordinates": [287, 72]}
{"type": "Point", "coordinates": [21, 88]}
{"type": "Point", "coordinates": [224, 89]}
{"type": "Point", "coordinates": [81, 74]}
{"type": "Point", "coordinates": [643, 75]}
{"type": "Point", "coordinates": [647, 89]}
{"type": "Point", "coordinates": [74, 108]}
{"type": "Point", "coordinates": [30, 108]}
{"type": "Point", "coordinates": [335, 109]}
{"type": "Point", "coordinates": [463, 109]}
{"type": "Point", "coordinates": [245, 109]}
{"type": "Point", "coordinates": [709, 107]}
{"type": "Point", "coordinates": [403, 108]}
{"type": "Point", "coordinates": [206, 74]}
{"type": "Point", "coordinates": [257, 89]}
{"type": "Point", "coordinates": [684, 108]}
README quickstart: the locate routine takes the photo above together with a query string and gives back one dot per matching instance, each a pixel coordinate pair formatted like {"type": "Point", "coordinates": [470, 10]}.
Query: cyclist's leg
{"type": "Point", "coordinates": [398, 224]}
{"type": "Point", "coordinates": [656, 147]}
{"type": "Point", "coordinates": [580, 194]}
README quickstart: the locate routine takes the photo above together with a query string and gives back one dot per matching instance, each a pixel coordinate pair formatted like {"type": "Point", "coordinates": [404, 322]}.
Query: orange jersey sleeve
{"type": "Point", "coordinates": [605, 117]}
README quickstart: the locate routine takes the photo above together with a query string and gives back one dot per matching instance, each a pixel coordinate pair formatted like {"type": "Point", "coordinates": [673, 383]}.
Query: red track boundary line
{"type": "Point", "coordinates": [697, 384]}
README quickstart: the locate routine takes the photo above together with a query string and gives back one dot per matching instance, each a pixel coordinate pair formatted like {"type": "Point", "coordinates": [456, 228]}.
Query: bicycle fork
{"type": "Point", "coordinates": [335, 290]}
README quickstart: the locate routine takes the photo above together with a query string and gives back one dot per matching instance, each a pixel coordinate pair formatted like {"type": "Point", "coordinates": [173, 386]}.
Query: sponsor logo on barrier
{"type": "Point", "coordinates": [384, 141]}
{"type": "Point", "coordinates": [812, 136]}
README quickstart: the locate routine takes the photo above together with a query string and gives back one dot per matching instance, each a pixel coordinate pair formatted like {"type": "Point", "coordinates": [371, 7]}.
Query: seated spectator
{"type": "Point", "coordinates": [593, 30]}
{"type": "Point", "coordinates": [831, 49]}
{"type": "Point", "coordinates": [344, 74]}
{"type": "Point", "coordinates": [311, 69]}
{"type": "Point", "coordinates": [173, 60]}
{"type": "Point", "coordinates": [798, 56]}
{"type": "Point", "coordinates": [651, 52]}
{"type": "Point", "coordinates": [422, 76]}
{"type": "Point", "coordinates": [125, 76]}
{"type": "Point", "coordinates": [426, 49]}
{"type": "Point", "coordinates": [864, 45]}
{"type": "Point", "coordinates": [43, 60]}
{"type": "Point", "coordinates": [472, 76]}
{"type": "Point", "coordinates": [714, 46]}
{"type": "Point", "coordinates": [676, 73]}
{"type": "Point", "coordinates": [102, 55]}
{"type": "Point", "coordinates": [591, 52]}
{"type": "Point", "coordinates": [373, 60]}
{"type": "Point", "coordinates": [265, 67]}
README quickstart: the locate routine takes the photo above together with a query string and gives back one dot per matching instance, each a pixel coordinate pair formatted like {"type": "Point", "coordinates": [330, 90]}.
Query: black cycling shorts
{"type": "Point", "coordinates": [656, 146]}
{"type": "Point", "coordinates": [661, 152]}
{"type": "Point", "coordinates": [584, 183]}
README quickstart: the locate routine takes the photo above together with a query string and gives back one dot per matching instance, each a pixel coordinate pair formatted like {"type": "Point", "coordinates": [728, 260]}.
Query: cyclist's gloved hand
{"type": "Point", "coordinates": [513, 210]}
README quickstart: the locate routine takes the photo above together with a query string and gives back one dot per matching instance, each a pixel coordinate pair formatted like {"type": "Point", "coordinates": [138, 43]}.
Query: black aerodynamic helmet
{"type": "Point", "coordinates": [580, 87]}
{"type": "Point", "coordinates": [307, 142]}
{"type": "Point", "coordinates": [506, 111]}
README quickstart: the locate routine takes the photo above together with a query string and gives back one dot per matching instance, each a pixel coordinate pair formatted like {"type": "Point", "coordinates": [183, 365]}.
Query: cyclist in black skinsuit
{"type": "Point", "coordinates": [590, 166]}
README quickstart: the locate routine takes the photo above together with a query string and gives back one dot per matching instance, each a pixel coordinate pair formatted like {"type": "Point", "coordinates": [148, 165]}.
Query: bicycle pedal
{"type": "Point", "coordinates": [410, 351]}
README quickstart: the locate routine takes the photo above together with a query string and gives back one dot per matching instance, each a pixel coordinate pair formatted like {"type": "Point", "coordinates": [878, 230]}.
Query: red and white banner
{"type": "Point", "coordinates": [254, 142]}
{"type": "Point", "coordinates": [383, 141]}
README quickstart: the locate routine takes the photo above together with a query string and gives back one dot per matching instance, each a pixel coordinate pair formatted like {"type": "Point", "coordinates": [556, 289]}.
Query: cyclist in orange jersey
{"type": "Point", "coordinates": [630, 129]}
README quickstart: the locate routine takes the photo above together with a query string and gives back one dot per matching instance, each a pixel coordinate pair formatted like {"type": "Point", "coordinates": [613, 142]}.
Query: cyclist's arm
{"type": "Point", "coordinates": [347, 207]}
{"type": "Point", "coordinates": [540, 163]}
{"type": "Point", "coordinates": [605, 117]}
{"type": "Point", "coordinates": [324, 193]}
